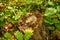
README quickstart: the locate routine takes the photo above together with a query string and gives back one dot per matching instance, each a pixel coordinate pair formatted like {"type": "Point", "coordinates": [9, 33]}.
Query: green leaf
{"type": "Point", "coordinates": [2, 24]}
{"type": "Point", "coordinates": [58, 0]}
{"type": "Point", "coordinates": [58, 8]}
{"type": "Point", "coordinates": [37, 2]}
{"type": "Point", "coordinates": [10, 7]}
{"type": "Point", "coordinates": [2, 38]}
{"type": "Point", "coordinates": [50, 3]}
{"type": "Point", "coordinates": [11, 20]}
{"type": "Point", "coordinates": [54, 33]}
{"type": "Point", "coordinates": [18, 35]}
{"type": "Point", "coordinates": [51, 27]}
{"type": "Point", "coordinates": [49, 11]}
{"type": "Point", "coordinates": [7, 13]}
{"type": "Point", "coordinates": [58, 15]}
{"type": "Point", "coordinates": [1, 13]}
{"type": "Point", "coordinates": [57, 26]}
{"type": "Point", "coordinates": [7, 36]}
{"type": "Point", "coordinates": [55, 20]}
{"type": "Point", "coordinates": [27, 35]}
{"type": "Point", "coordinates": [16, 17]}
{"type": "Point", "coordinates": [6, 1]}
{"type": "Point", "coordinates": [1, 19]}
{"type": "Point", "coordinates": [47, 20]}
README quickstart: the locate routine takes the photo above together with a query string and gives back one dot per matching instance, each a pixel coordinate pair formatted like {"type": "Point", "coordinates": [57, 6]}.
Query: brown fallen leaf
{"type": "Point", "coordinates": [58, 32]}
{"type": "Point", "coordinates": [2, 7]}
{"type": "Point", "coordinates": [13, 38]}
{"type": "Point", "coordinates": [53, 16]}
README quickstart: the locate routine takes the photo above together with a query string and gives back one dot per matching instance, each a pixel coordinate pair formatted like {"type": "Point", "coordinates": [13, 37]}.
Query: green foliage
{"type": "Point", "coordinates": [53, 33]}
{"type": "Point", "coordinates": [7, 36]}
{"type": "Point", "coordinates": [27, 35]}
{"type": "Point", "coordinates": [18, 35]}
{"type": "Point", "coordinates": [50, 3]}
{"type": "Point", "coordinates": [58, 26]}
{"type": "Point", "coordinates": [2, 38]}
{"type": "Point", "coordinates": [18, 15]}
{"type": "Point", "coordinates": [49, 11]}
{"type": "Point", "coordinates": [2, 24]}
{"type": "Point", "coordinates": [55, 20]}
{"type": "Point", "coordinates": [58, 8]}
{"type": "Point", "coordinates": [53, 9]}
{"type": "Point", "coordinates": [48, 8]}
{"type": "Point", "coordinates": [33, 2]}
{"type": "Point", "coordinates": [51, 27]}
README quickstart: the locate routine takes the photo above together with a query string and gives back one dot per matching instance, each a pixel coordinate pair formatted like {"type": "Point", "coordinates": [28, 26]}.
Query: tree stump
{"type": "Point", "coordinates": [34, 20]}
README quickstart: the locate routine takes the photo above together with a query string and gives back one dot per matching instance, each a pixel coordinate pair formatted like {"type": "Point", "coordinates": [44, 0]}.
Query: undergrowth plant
{"type": "Point", "coordinates": [12, 10]}
{"type": "Point", "coordinates": [19, 35]}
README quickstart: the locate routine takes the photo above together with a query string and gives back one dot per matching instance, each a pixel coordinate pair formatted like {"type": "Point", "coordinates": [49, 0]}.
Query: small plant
{"type": "Point", "coordinates": [18, 35]}
{"type": "Point", "coordinates": [27, 35]}
{"type": "Point", "coordinates": [7, 36]}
